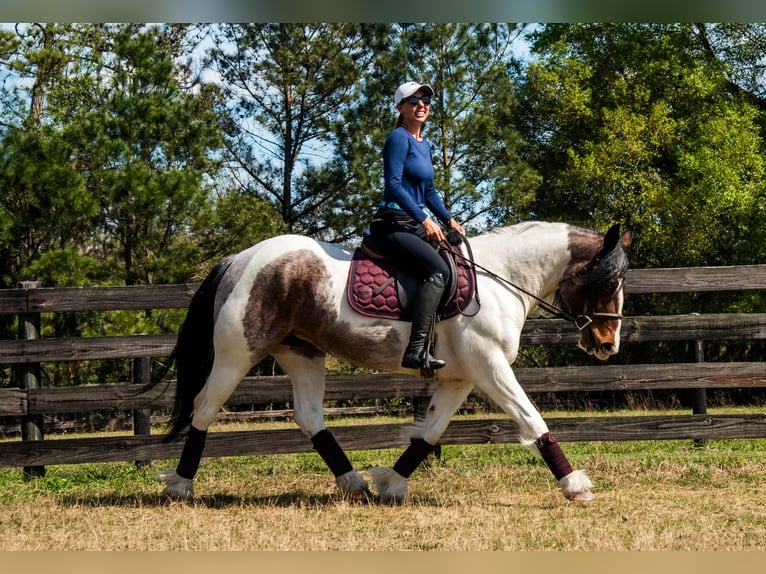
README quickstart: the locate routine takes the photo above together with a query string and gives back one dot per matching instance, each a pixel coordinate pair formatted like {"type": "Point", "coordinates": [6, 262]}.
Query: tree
{"type": "Point", "coordinates": [109, 158]}
{"type": "Point", "coordinates": [635, 123]}
{"type": "Point", "coordinates": [476, 144]}
{"type": "Point", "coordinates": [45, 208]}
{"type": "Point", "coordinates": [148, 147]}
{"type": "Point", "coordinates": [286, 85]}
{"type": "Point", "coordinates": [736, 49]}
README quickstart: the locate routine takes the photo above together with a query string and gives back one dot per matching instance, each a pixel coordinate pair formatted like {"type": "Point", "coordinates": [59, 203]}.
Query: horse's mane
{"type": "Point", "coordinates": [522, 227]}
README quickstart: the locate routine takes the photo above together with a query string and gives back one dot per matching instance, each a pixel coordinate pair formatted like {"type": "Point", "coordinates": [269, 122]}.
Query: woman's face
{"type": "Point", "coordinates": [418, 111]}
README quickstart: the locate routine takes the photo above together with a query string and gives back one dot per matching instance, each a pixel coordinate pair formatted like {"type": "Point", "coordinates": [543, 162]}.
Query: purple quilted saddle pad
{"type": "Point", "coordinates": [378, 288]}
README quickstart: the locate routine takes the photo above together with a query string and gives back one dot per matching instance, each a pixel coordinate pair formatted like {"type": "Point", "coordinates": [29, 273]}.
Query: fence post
{"type": "Point", "coordinates": [699, 396]}
{"type": "Point", "coordinates": [142, 374]}
{"type": "Point", "coordinates": [29, 375]}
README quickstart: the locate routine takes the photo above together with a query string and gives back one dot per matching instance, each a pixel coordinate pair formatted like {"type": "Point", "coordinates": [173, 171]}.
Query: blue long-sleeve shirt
{"type": "Point", "coordinates": [408, 174]}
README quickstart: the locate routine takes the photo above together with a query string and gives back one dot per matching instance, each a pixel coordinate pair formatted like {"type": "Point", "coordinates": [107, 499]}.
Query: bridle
{"type": "Point", "coordinates": [589, 313]}
{"type": "Point", "coordinates": [581, 321]}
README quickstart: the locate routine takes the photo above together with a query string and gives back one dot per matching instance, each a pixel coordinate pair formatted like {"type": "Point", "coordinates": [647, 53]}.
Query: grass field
{"type": "Point", "coordinates": [664, 495]}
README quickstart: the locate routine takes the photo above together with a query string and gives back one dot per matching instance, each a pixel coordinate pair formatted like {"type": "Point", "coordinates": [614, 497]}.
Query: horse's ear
{"type": "Point", "coordinates": [627, 238]}
{"type": "Point", "coordinates": [611, 238]}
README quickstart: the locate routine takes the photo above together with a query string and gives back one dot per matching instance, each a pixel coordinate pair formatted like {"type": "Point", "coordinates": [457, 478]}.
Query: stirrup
{"type": "Point", "coordinates": [424, 361]}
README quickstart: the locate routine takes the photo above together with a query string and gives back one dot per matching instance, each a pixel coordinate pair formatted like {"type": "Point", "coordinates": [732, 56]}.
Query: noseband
{"type": "Point", "coordinates": [589, 313]}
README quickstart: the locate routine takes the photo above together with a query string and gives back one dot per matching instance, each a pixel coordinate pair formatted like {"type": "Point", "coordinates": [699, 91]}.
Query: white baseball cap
{"type": "Point", "coordinates": [409, 88]}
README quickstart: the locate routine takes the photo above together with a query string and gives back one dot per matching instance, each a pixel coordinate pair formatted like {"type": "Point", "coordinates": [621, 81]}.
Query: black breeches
{"type": "Point", "coordinates": [415, 254]}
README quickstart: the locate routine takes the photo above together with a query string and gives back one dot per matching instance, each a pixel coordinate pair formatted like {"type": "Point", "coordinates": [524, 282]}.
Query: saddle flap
{"type": "Point", "coordinates": [371, 288]}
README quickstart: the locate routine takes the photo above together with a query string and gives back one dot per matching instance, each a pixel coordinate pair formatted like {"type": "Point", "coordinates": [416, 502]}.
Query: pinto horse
{"type": "Point", "coordinates": [285, 297]}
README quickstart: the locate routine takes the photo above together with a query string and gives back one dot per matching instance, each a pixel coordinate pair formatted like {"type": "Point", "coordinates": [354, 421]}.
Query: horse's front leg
{"type": "Point", "coordinates": [308, 378]}
{"type": "Point", "coordinates": [575, 484]}
{"type": "Point", "coordinates": [391, 483]}
{"type": "Point", "coordinates": [502, 387]}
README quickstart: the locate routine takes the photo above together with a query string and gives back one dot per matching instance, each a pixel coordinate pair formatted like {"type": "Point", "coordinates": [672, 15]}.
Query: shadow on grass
{"type": "Point", "coordinates": [296, 499]}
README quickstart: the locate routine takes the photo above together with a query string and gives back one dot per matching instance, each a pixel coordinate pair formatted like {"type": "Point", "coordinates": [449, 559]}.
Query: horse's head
{"type": "Point", "coordinates": [593, 291]}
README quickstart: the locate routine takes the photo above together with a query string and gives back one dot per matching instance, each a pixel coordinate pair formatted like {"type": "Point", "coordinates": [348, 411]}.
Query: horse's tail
{"type": "Point", "coordinates": [194, 352]}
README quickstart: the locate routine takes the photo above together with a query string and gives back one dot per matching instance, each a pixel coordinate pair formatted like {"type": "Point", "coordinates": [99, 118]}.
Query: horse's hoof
{"type": "Point", "coordinates": [353, 487]}
{"type": "Point", "coordinates": [577, 486]}
{"type": "Point", "coordinates": [177, 487]}
{"type": "Point", "coordinates": [586, 496]}
{"type": "Point", "coordinates": [391, 485]}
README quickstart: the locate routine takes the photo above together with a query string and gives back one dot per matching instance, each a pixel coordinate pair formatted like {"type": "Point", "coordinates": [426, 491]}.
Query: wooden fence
{"type": "Point", "coordinates": [31, 401]}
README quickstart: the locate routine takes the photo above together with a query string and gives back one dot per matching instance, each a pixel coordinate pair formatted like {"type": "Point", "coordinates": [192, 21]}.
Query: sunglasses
{"type": "Point", "coordinates": [413, 100]}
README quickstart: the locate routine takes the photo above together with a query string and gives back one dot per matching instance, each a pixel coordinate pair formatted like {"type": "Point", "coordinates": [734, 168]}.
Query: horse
{"type": "Point", "coordinates": [285, 297]}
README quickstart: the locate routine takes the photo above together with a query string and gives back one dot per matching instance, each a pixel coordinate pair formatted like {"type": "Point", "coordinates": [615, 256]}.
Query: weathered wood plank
{"type": "Point", "coordinates": [643, 377]}
{"type": "Point", "coordinates": [722, 326]}
{"type": "Point", "coordinates": [696, 279]}
{"type": "Point", "coordinates": [372, 437]}
{"type": "Point", "coordinates": [707, 327]}
{"type": "Point", "coordinates": [111, 298]}
{"type": "Point", "coordinates": [252, 390]}
{"type": "Point", "coordinates": [13, 301]}
{"type": "Point", "coordinates": [13, 403]}
{"type": "Point", "coordinates": [86, 348]}
{"type": "Point", "coordinates": [664, 427]}
{"type": "Point", "coordinates": [265, 390]}
{"type": "Point", "coordinates": [54, 300]}
{"type": "Point", "coordinates": [87, 398]}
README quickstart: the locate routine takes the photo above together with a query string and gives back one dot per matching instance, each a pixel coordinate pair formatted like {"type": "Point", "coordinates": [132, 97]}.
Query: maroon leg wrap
{"type": "Point", "coordinates": [416, 453]}
{"type": "Point", "coordinates": [330, 451]}
{"type": "Point", "coordinates": [192, 453]}
{"type": "Point", "coordinates": [553, 456]}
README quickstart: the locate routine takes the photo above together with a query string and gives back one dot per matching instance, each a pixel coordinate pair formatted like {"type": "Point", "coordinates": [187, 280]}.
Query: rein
{"type": "Point", "coordinates": [581, 321]}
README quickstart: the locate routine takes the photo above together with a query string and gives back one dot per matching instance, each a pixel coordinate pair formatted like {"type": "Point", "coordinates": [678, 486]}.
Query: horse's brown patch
{"type": "Point", "coordinates": [583, 245]}
{"type": "Point", "coordinates": [291, 302]}
{"type": "Point", "coordinates": [279, 291]}
{"type": "Point", "coordinates": [228, 281]}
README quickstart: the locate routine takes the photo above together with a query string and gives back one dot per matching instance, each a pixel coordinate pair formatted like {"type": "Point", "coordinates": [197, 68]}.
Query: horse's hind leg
{"type": "Point", "coordinates": [307, 372]}
{"type": "Point", "coordinates": [391, 483]}
{"type": "Point", "coordinates": [223, 379]}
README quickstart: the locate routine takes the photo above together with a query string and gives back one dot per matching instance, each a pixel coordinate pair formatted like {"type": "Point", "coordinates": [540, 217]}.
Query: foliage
{"type": "Point", "coordinates": [630, 123]}
{"type": "Point", "coordinates": [285, 86]}
{"type": "Point", "coordinates": [641, 124]}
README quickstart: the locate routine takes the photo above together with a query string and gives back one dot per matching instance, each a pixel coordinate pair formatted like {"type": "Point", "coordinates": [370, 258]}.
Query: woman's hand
{"type": "Point", "coordinates": [433, 230]}
{"type": "Point", "coordinates": [453, 224]}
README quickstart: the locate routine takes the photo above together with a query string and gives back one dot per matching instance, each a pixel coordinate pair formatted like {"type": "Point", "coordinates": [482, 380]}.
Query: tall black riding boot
{"type": "Point", "coordinates": [416, 355]}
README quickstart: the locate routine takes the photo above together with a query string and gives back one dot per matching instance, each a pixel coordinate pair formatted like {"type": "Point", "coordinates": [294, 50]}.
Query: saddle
{"type": "Point", "coordinates": [377, 287]}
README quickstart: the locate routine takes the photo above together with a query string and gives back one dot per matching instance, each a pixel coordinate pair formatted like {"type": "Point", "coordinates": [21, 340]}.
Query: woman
{"type": "Point", "coordinates": [402, 227]}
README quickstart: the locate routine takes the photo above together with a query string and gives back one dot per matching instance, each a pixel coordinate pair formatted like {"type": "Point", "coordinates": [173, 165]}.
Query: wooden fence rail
{"type": "Point", "coordinates": [267, 390]}
{"type": "Point", "coordinates": [536, 332]}
{"type": "Point", "coordinates": [38, 401]}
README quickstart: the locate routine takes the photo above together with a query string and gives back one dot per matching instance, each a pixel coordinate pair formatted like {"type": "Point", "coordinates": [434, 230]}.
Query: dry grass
{"type": "Point", "coordinates": [651, 496]}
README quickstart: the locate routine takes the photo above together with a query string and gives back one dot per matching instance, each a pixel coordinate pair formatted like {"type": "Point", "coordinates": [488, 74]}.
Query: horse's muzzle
{"type": "Point", "coordinates": [599, 336]}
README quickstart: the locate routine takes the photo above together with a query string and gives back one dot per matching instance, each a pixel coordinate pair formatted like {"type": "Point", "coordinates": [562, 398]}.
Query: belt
{"type": "Point", "coordinates": [390, 204]}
